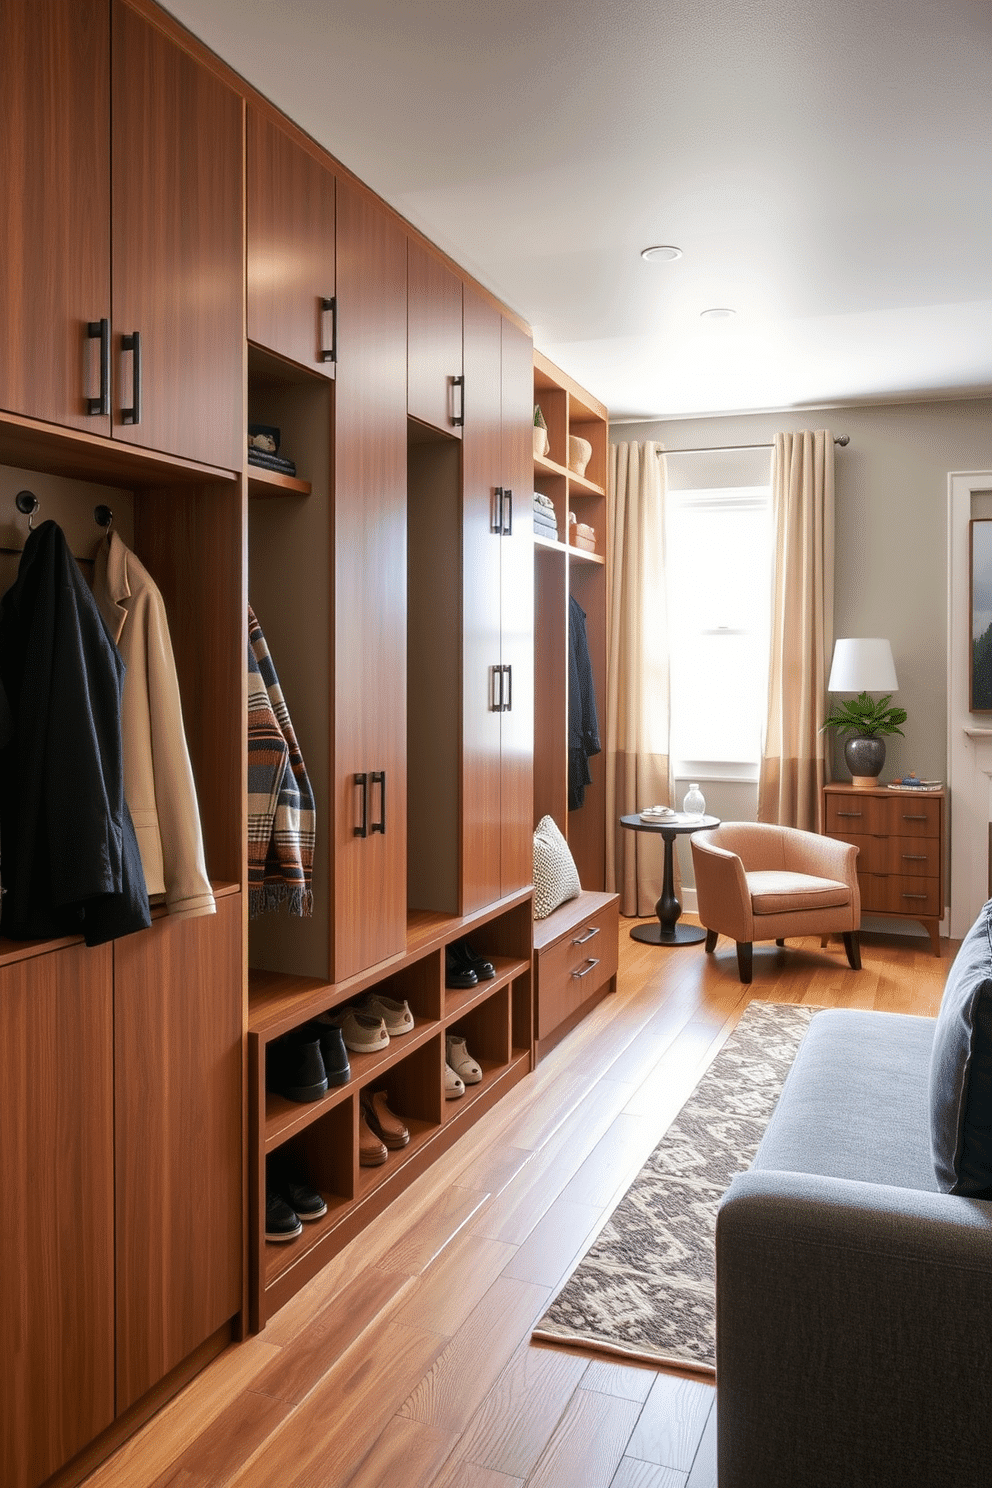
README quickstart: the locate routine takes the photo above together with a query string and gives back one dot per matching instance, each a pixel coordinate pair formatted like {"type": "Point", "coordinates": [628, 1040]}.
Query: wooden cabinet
{"type": "Point", "coordinates": [576, 950]}
{"type": "Point", "coordinates": [104, 169]}
{"type": "Point", "coordinates": [370, 566]}
{"type": "Point", "coordinates": [497, 597]}
{"type": "Point", "coordinates": [178, 249]}
{"type": "Point", "coordinates": [900, 841]}
{"type": "Point", "coordinates": [435, 384]}
{"type": "Point", "coordinates": [55, 176]}
{"type": "Point", "coordinates": [566, 569]}
{"type": "Point", "coordinates": [57, 1236]}
{"type": "Point", "coordinates": [290, 247]}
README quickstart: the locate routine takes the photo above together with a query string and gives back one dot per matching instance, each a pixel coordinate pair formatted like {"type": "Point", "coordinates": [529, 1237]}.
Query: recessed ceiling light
{"type": "Point", "coordinates": [663, 252]}
{"type": "Point", "coordinates": [718, 312]}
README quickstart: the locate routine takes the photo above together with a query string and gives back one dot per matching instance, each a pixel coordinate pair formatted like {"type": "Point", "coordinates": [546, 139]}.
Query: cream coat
{"type": "Point", "coordinates": [158, 777]}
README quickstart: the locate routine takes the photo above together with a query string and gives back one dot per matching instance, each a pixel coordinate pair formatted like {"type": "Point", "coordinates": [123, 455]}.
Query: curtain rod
{"type": "Point", "coordinates": [719, 449]}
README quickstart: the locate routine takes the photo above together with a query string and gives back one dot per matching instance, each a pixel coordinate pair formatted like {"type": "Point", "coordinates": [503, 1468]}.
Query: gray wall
{"type": "Point", "coordinates": [891, 557]}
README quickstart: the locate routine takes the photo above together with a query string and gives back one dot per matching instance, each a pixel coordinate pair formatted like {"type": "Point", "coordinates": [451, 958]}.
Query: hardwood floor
{"type": "Point", "coordinates": [407, 1361]}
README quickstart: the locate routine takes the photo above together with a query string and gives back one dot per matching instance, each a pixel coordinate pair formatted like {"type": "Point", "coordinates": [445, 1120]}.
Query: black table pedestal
{"type": "Point", "coordinates": [668, 931]}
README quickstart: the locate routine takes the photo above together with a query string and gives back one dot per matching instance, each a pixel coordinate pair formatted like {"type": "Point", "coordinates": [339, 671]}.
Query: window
{"type": "Point", "coordinates": [718, 564]}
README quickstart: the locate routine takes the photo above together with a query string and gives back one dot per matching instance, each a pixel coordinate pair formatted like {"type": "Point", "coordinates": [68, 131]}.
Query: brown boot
{"type": "Point", "coordinates": [384, 1124]}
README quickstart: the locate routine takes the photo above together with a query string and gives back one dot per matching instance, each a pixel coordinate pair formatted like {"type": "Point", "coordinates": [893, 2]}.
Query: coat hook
{"type": "Point", "coordinates": [27, 504]}
{"type": "Point", "coordinates": [103, 517]}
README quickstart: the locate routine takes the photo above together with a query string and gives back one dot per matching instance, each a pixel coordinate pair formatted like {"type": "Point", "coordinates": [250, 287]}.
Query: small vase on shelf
{"type": "Point", "coordinates": [694, 802]}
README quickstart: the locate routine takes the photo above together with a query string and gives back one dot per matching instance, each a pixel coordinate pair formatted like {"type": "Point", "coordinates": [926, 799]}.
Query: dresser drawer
{"type": "Point", "coordinates": [896, 893]}
{"type": "Point", "coordinates": [576, 965]}
{"type": "Point", "coordinates": [913, 816]}
{"type": "Point", "coordinates": [915, 857]}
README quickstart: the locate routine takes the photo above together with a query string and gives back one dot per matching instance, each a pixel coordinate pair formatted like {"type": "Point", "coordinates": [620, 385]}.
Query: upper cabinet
{"type": "Point", "coordinates": [123, 279]}
{"type": "Point", "coordinates": [435, 384]}
{"type": "Point", "coordinates": [291, 257]}
{"type": "Point", "coordinates": [178, 249]}
{"type": "Point", "coordinates": [55, 179]}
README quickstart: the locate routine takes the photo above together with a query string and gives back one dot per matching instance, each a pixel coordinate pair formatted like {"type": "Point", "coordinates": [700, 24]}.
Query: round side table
{"type": "Point", "coordinates": [668, 931]}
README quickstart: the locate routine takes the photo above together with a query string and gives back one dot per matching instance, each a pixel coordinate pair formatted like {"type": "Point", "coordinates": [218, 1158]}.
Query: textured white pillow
{"type": "Point", "coordinates": [556, 877]}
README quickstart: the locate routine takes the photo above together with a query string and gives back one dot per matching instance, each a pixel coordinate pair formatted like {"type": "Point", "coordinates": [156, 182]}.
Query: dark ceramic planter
{"type": "Point", "coordinates": [865, 757]}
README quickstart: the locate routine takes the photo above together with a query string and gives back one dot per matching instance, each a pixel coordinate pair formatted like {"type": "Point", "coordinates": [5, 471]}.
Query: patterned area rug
{"type": "Point", "coordinates": [645, 1288]}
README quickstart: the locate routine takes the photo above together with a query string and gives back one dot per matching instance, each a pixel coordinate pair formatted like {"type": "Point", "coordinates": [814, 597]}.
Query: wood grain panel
{"type": "Point", "coordinates": [517, 612]}
{"type": "Point", "coordinates": [178, 1079]}
{"type": "Point", "coordinates": [434, 346]}
{"type": "Point", "coordinates": [178, 247]}
{"type": "Point", "coordinates": [55, 179]}
{"type": "Point", "coordinates": [370, 587]}
{"type": "Point", "coordinates": [480, 596]}
{"type": "Point", "coordinates": [290, 245]}
{"type": "Point", "coordinates": [57, 1236]}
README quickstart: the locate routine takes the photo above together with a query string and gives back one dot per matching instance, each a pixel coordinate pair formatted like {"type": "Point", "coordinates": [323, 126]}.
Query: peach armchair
{"type": "Point", "coordinates": [761, 882]}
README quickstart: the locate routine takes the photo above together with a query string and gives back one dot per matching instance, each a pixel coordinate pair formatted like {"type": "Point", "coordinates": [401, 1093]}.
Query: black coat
{"type": "Point", "coordinates": [583, 723]}
{"type": "Point", "coordinates": [70, 857]}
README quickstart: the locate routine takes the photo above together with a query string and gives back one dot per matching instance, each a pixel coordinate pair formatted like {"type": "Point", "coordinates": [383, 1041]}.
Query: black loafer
{"type": "Point", "coordinates": [281, 1222]}
{"type": "Point", "coordinates": [305, 1202]}
{"type": "Point", "coordinates": [484, 970]}
{"type": "Point", "coordinates": [456, 974]}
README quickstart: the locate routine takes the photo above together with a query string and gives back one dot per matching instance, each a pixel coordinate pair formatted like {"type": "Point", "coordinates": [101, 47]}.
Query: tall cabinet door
{"type": "Point", "coordinates": [178, 1082]}
{"type": "Point", "coordinates": [178, 249]}
{"type": "Point", "coordinates": [55, 181]}
{"type": "Point", "coordinates": [517, 609]}
{"type": "Point", "coordinates": [290, 248]}
{"type": "Point", "coordinates": [435, 392]}
{"type": "Point", "coordinates": [370, 584]}
{"type": "Point", "coordinates": [57, 1236]}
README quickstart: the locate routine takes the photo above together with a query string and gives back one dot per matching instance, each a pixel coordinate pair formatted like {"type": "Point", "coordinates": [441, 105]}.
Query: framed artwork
{"type": "Point", "coordinates": [980, 611]}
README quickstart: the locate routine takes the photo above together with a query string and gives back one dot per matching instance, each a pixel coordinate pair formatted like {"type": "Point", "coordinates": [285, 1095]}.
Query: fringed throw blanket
{"type": "Point", "coordinates": [280, 800]}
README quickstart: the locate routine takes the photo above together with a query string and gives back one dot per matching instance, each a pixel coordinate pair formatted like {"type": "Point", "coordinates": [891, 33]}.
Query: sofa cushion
{"type": "Point", "coordinates": [961, 1069]}
{"type": "Point", "coordinates": [556, 877]}
{"type": "Point", "coordinates": [778, 892]}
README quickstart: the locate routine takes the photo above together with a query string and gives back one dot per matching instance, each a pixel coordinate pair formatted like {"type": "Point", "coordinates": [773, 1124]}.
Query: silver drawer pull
{"type": "Point", "coordinates": [590, 932]}
{"type": "Point", "coordinates": [593, 961]}
{"type": "Point", "coordinates": [914, 896]}
{"type": "Point", "coordinates": [914, 857]}
{"type": "Point", "coordinates": [907, 817]}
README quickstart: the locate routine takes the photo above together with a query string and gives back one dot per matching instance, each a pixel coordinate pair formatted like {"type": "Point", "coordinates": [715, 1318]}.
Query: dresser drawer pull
{"type": "Point", "coordinates": [906, 817]}
{"type": "Point", "coordinates": [593, 961]}
{"type": "Point", "coordinates": [850, 813]}
{"type": "Point", "coordinates": [914, 857]}
{"type": "Point", "coordinates": [914, 896]}
{"type": "Point", "coordinates": [591, 930]}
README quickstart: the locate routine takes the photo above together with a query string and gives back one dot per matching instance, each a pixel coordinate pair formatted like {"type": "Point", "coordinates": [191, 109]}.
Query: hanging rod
{"type": "Point", "coordinates": [719, 449]}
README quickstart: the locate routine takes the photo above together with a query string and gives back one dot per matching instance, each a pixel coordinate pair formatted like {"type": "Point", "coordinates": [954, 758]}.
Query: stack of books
{"type": "Point", "coordinates": [915, 783]}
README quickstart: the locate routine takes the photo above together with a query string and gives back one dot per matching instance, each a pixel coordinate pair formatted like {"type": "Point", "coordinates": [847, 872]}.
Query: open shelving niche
{"type": "Point", "coordinates": [291, 537]}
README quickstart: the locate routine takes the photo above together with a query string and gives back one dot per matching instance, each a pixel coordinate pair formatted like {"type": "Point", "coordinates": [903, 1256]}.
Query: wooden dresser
{"type": "Point", "coordinates": [900, 835]}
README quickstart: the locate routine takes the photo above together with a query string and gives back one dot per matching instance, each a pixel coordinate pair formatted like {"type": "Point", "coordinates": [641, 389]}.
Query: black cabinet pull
{"type": "Point", "coordinates": [506, 525]}
{"type": "Point", "coordinates": [508, 705]}
{"type": "Point", "coordinates": [132, 343]}
{"type": "Point", "coordinates": [329, 307]}
{"type": "Point", "coordinates": [458, 385]}
{"type": "Point", "coordinates": [378, 778]}
{"type": "Point", "coordinates": [100, 407]}
{"type": "Point", "coordinates": [496, 689]}
{"type": "Point", "coordinates": [362, 781]}
{"type": "Point", "coordinates": [496, 523]}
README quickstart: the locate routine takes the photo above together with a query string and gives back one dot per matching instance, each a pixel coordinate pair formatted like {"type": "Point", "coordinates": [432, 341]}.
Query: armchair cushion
{"type": "Point", "coordinates": [961, 1069]}
{"type": "Point", "coordinates": [779, 892]}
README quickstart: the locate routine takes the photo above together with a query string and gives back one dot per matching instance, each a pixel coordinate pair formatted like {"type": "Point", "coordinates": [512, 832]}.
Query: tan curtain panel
{"type": "Point", "coordinates": [794, 760]}
{"type": "Point", "coordinates": [637, 763]}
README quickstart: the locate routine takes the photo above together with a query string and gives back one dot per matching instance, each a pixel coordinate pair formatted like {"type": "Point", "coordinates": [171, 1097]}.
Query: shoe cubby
{"type": "Point", "coordinates": [413, 1092]}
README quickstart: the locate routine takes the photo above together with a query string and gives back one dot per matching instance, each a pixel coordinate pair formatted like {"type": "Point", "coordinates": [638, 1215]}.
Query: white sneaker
{"type": "Point", "coordinates": [460, 1060]}
{"type": "Point", "coordinates": [396, 1015]}
{"type": "Point", "coordinates": [454, 1086]}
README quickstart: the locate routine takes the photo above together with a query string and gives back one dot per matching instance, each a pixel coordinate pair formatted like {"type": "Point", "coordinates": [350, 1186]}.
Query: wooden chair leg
{"type": "Point", "coordinates": [852, 945]}
{"type": "Point", "coordinates": [712, 936]}
{"type": "Point", "coordinates": [744, 960]}
{"type": "Point", "coordinates": [780, 942]}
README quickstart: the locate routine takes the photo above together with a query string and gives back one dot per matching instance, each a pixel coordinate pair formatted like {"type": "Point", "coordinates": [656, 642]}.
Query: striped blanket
{"type": "Point", "coordinates": [280, 800]}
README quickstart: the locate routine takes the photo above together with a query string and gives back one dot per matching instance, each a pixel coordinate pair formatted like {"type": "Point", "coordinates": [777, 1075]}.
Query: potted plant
{"type": "Point", "coordinates": [866, 719]}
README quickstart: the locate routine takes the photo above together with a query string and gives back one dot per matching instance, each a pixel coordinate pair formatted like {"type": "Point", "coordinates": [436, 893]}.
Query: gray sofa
{"type": "Point", "coordinates": [854, 1296]}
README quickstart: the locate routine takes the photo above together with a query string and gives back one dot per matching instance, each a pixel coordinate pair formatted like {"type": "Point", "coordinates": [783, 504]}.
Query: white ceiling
{"type": "Point", "coordinates": [826, 170]}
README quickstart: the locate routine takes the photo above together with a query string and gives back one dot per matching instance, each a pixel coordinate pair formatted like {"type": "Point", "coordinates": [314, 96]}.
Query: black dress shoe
{"type": "Point", "coordinates": [296, 1066]}
{"type": "Point", "coordinates": [305, 1202]}
{"type": "Point", "coordinates": [281, 1222]}
{"type": "Point", "coordinates": [467, 958]}
{"type": "Point", "coordinates": [333, 1052]}
{"type": "Point", "coordinates": [456, 973]}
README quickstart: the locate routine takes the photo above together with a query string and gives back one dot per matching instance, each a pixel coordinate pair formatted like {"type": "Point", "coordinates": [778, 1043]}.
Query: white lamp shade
{"type": "Point", "coordinates": [862, 666]}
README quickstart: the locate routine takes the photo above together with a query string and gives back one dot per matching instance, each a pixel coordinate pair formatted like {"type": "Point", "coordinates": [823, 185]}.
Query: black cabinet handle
{"type": "Point", "coordinates": [496, 689]}
{"type": "Point", "coordinates": [496, 523]}
{"type": "Point", "coordinates": [132, 343]}
{"type": "Point", "coordinates": [508, 705]}
{"type": "Point", "coordinates": [329, 307]}
{"type": "Point", "coordinates": [506, 526]}
{"type": "Point", "coordinates": [458, 385]}
{"type": "Point", "coordinates": [378, 778]}
{"type": "Point", "coordinates": [362, 781]}
{"type": "Point", "coordinates": [100, 407]}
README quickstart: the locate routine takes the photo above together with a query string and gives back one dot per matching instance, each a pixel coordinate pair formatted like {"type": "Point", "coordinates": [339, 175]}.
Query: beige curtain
{"type": "Point", "coordinates": [794, 761]}
{"type": "Point", "coordinates": [637, 763]}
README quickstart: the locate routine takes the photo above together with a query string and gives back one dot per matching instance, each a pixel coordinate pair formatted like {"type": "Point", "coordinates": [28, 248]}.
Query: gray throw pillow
{"type": "Point", "coordinates": [961, 1069]}
{"type": "Point", "coordinates": [556, 877]}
